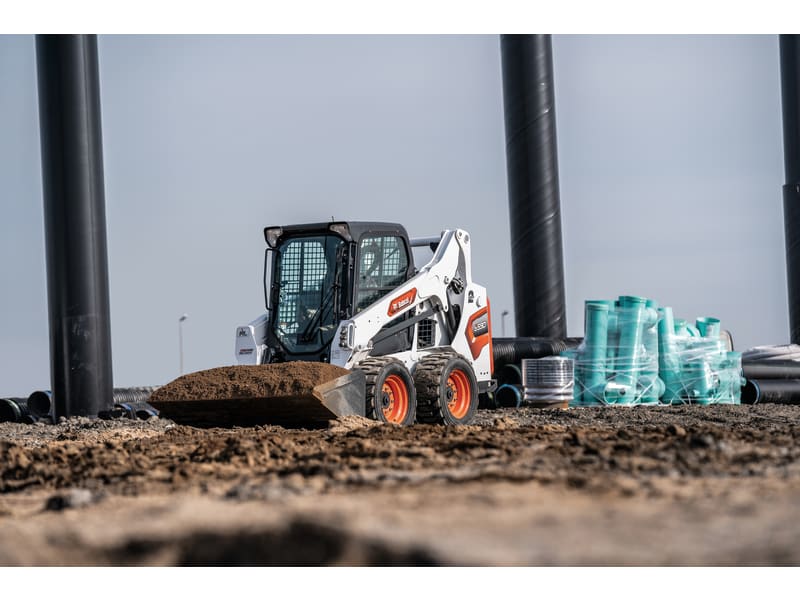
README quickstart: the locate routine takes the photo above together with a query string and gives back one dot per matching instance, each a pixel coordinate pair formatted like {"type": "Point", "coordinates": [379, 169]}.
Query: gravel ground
{"type": "Point", "coordinates": [642, 485]}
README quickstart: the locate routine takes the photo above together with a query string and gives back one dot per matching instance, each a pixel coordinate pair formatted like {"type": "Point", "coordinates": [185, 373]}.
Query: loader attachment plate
{"type": "Point", "coordinates": [339, 397]}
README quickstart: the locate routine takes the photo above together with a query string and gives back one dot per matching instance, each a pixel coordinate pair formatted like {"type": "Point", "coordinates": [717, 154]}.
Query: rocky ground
{"type": "Point", "coordinates": [646, 485]}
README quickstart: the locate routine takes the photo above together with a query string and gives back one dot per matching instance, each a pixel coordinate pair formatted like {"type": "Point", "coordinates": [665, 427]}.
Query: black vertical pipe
{"type": "Point", "coordinates": [75, 224]}
{"type": "Point", "coordinates": [536, 248]}
{"type": "Point", "coordinates": [790, 101]}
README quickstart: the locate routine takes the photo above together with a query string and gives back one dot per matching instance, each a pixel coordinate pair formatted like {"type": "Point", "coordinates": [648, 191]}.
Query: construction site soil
{"type": "Point", "coordinates": [714, 485]}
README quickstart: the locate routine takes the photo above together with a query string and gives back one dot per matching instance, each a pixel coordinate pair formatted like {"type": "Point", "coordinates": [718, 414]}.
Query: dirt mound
{"type": "Point", "coordinates": [245, 396]}
{"type": "Point", "coordinates": [257, 381]}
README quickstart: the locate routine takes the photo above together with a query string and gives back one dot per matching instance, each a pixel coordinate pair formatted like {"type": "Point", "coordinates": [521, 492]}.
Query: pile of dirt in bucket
{"type": "Point", "coordinates": [257, 381]}
{"type": "Point", "coordinates": [246, 395]}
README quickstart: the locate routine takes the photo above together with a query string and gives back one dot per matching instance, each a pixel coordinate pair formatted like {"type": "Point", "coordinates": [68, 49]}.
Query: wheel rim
{"type": "Point", "coordinates": [459, 394]}
{"type": "Point", "coordinates": [394, 399]}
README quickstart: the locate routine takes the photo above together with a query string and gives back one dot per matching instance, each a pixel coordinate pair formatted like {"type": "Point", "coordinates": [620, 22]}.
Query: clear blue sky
{"type": "Point", "coordinates": [670, 158]}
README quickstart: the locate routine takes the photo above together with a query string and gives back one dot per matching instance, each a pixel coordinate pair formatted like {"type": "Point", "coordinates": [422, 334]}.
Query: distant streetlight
{"type": "Point", "coordinates": [180, 337]}
{"type": "Point", "coordinates": [503, 323]}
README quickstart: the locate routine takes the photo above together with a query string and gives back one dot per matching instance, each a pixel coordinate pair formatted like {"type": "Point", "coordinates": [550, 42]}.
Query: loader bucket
{"type": "Point", "coordinates": [339, 397]}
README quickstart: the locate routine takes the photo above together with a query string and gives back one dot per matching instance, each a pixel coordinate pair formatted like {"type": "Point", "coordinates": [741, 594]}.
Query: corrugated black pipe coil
{"type": "Point", "coordinates": [776, 391]}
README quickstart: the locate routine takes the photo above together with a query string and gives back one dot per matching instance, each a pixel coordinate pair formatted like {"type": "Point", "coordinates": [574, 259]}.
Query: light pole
{"type": "Point", "coordinates": [503, 323]}
{"type": "Point", "coordinates": [180, 337]}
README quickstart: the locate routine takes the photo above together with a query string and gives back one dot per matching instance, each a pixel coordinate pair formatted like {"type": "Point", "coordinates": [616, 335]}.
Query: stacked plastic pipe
{"type": "Point", "coordinates": [634, 352]}
{"type": "Point", "coordinates": [39, 406]}
{"type": "Point", "coordinates": [773, 374]}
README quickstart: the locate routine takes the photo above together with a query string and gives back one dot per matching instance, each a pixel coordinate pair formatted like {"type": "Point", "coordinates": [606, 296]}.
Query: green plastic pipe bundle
{"type": "Point", "coordinates": [593, 363]}
{"type": "Point", "coordinates": [668, 364]}
{"type": "Point", "coordinates": [626, 364]}
{"type": "Point", "coordinates": [637, 353]}
{"type": "Point", "coordinates": [650, 383]}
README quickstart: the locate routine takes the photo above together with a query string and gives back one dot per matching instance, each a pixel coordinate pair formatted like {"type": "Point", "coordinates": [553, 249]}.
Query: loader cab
{"type": "Point", "coordinates": [317, 275]}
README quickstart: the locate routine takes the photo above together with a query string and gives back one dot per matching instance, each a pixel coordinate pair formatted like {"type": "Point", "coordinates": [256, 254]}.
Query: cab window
{"type": "Point", "coordinates": [382, 266]}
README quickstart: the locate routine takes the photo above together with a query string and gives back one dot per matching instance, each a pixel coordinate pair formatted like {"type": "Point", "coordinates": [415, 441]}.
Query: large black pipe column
{"type": "Point", "coordinates": [790, 74]}
{"type": "Point", "coordinates": [75, 224]}
{"type": "Point", "coordinates": [536, 248]}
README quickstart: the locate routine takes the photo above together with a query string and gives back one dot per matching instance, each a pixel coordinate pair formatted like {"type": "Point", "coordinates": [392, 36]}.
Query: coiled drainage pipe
{"type": "Point", "coordinates": [783, 352]}
{"type": "Point", "coordinates": [776, 391]}
{"type": "Point", "coordinates": [771, 369]}
{"type": "Point", "coordinates": [513, 350]}
{"type": "Point", "coordinates": [133, 410]}
{"type": "Point", "coordinates": [131, 401]}
{"type": "Point", "coordinates": [508, 373]}
{"type": "Point", "coordinates": [15, 410]}
{"type": "Point", "coordinates": [508, 395]}
{"type": "Point", "coordinates": [40, 404]}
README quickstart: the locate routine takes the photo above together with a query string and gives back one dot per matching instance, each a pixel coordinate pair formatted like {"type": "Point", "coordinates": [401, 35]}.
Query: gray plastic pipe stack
{"type": "Point", "coordinates": [773, 374]}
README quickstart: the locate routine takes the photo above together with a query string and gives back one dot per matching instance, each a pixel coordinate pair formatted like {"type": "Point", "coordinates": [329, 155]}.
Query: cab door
{"type": "Point", "coordinates": [383, 265]}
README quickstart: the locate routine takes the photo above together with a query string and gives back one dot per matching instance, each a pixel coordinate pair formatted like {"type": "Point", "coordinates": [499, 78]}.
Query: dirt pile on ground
{"type": "Point", "coordinates": [248, 395]}
{"type": "Point", "coordinates": [257, 381]}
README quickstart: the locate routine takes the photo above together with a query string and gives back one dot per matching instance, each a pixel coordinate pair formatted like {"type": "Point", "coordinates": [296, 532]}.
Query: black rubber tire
{"type": "Point", "coordinates": [376, 371]}
{"type": "Point", "coordinates": [430, 379]}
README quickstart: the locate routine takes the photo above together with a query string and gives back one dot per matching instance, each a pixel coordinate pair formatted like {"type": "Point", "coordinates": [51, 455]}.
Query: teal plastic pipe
{"type": "Point", "coordinates": [736, 380]}
{"type": "Point", "coordinates": [668, 362]}
{"type": "Point", "coordinates": [613, 336]}
{"type": "Point", "coordinates": [727, 368]}
{"type": "Point", "coordinates": [593, 362]}
{"type": "Point", "coordinates": [631, 309]}
{"type": "Point", "coordinates": [696, 381]}
{"type": "Point", "coordinates": [577, 389]}
{"type": "Point", "coordinates": [708, 326]}
{"type": "Point", "coordinates": [680, 327]}
{"type": "Point", "coordinates": [651, 391]}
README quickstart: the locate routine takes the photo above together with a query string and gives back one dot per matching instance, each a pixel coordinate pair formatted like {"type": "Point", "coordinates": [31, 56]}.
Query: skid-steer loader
{"type": "Point", "coordinates": [417, 342]}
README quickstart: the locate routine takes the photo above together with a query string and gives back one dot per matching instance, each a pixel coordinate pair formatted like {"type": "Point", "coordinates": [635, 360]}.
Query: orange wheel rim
{"type": "Point", "coordinates": [394, 399]}
{"type": "Point", "coordinates": [459, 394]}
